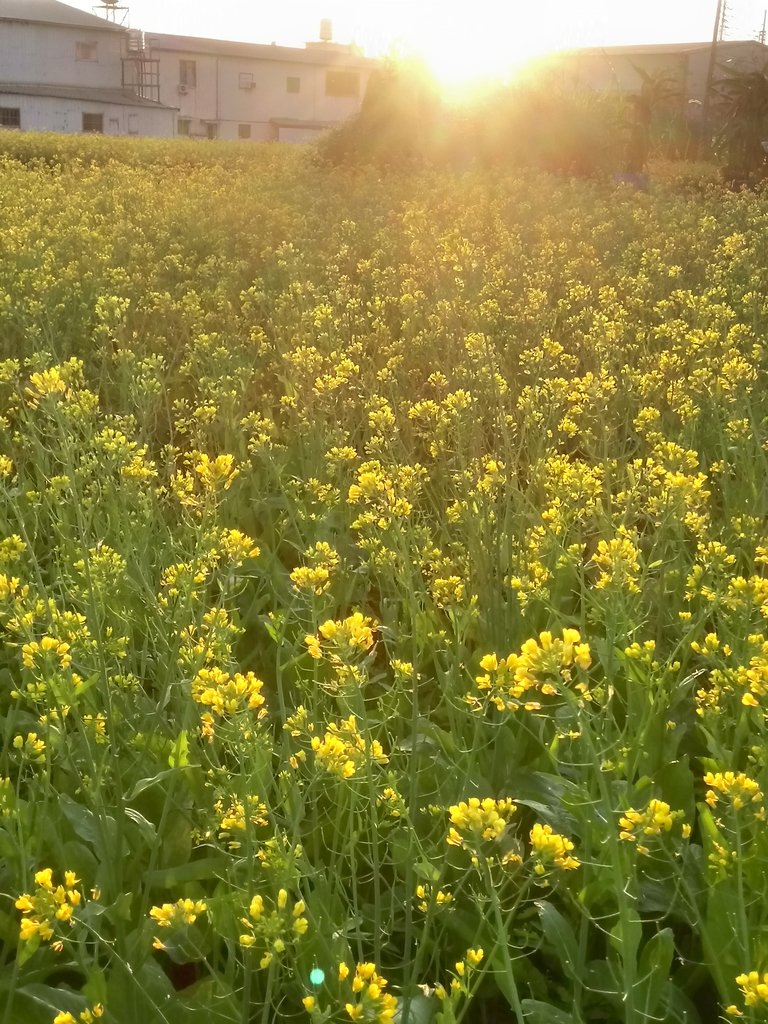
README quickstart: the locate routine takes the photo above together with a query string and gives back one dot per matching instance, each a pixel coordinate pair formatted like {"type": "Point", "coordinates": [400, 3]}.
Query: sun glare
{"type": "Point", "coordinates": [477, 47]}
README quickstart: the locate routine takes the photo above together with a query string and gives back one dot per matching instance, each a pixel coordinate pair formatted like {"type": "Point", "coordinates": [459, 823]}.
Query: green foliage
{"type": "Point", "coordinates": [743, 112]}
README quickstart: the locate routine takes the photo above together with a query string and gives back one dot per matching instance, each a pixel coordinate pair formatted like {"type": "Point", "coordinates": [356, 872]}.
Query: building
{"type": "Point", "coordinates": [67, 71]}
{"type": "Point", "coordinates": [618, 68]}
{"type": "Point", "coordinates": [229, 90]}
{"type": "Point", "coordinates": [62, 70]}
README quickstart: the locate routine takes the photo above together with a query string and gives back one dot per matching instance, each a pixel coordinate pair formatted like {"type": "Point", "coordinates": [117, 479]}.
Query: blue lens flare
{"type": "Point", "coordinates": [316, 976]}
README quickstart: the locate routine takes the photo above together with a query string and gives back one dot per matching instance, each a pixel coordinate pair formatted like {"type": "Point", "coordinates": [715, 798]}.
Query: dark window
{"type": "Point", "coordinates": [212, 130]}
{"type": "Point", "coordinates": [188, 72]}
{"type": "Point", "coordinates": [293, 83]}
{"type": "Point", "coordinates": [183, 126]}
{"type": "Point", "coordinates": [93, 123]}
{"type": "Point", "coordinates": [85, 51]}
{"type": "Point", "coordinates": [10, 117]}
{"type": "Point", "coordinates": [245, 80]}
{"type": "Point", "coordinates": [243, 131]}
{"type": "Point", "coordinates": [342, 83]}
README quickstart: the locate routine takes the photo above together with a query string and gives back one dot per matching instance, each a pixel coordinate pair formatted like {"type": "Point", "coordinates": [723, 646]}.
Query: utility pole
{"type": "Point", "coordinates": [761, 37]}
{"type": "Point", "coordinates": [711, 71]}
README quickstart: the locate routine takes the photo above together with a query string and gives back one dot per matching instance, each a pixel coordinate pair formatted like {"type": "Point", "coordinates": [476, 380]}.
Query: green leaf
{"type": "Point", "coordinates": [214, 866]}
{"type": "Point", "coordinates": [421, 1009]}
{"type": "Point", "coordinates": [87, 825]}
{"type": "Point", "coordinates": [143, 784]}
{"type": "Point", "coordinates": [35, 1003]}
{"type": "Point", "coordinates": [625, 936]}
{"type": "Point", "coordinates": [536, 1012]}
{"type": "Point", "coordinates": [655, 962]}
{"type": "Point", "coordinates": [559, 934]}
{"type": "Point", "coordinates": [146, 828]}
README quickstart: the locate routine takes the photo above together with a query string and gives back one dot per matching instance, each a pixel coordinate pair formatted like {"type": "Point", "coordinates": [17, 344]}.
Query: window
{"type": "Point", "coordinates": [114, 125]}
{"type": "Point", "coordinates": [293, 83]}
{"type": "Point", "coordinates": [183, 126]}
{"type": "Point", "coordinates": [245, 80]}
{"type": "Point", "coordinates": [342, 83]}
{"type": "Point", "coordinates": [188, 72]}
{"type": "Point", "coordinates": [243, 131]}
{"type": "Point", "coordinates": [10, 117]}
{"type": "Point", "coordinates": [133, 124]}
{"type": "Point", "coordinates": [85, 51]}
{"type": "Point", "coordinates": [212, 130]}
{"type": "Point", "coordinates": [93, 123]}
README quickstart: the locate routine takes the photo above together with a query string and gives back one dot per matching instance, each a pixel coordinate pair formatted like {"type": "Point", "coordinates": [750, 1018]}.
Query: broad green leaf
{"type": "Point", "coordinates": [193, 871]}
{"type": "Point", "coordinates": [536, 1012]}
{"type": "Point", "coordinates": [653, 970]}
{"type": "Point", "coordinates": [559, 934]}
{"type": "Point", "coordinates": [90, 828]}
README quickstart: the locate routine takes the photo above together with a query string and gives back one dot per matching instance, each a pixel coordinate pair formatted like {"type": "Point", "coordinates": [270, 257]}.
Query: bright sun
{"type": "Point", "coordinates": [471, 44]}
{"type": "Point", "coordinates": [457, 63]}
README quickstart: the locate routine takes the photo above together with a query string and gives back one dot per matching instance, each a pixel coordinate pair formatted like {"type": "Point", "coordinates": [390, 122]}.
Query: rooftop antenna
{"type": "Point", "coordinates": [723, 22]}
{"type": "Point", "coordinates": [112, 11]}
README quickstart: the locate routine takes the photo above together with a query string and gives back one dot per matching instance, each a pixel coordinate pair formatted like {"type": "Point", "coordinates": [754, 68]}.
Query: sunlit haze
{"type": "Point", "coordinates": [459, 41]}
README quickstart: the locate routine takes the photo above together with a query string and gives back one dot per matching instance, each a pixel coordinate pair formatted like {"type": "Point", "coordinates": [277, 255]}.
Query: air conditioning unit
{"type": "Point", "coordinates": [182, 89]}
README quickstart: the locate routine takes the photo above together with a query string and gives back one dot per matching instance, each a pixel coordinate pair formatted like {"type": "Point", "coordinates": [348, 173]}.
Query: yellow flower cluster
{"type": "Point", "coordinates": [618, 562]}
{"type": "Point", "coordinates": [738, 789]}
{"type": "Point", "coordinates": [460, 983]}
{"type": "Point", "coordinates": [551, 850]}
{"type": "Point", "coordinates": [176, 916]}
{"type": "Point", "coordinates": [344, 640]}
{"type": "Point", "coordinates": [179, 914]}
{"type": "Point", "coordinates": [87, 1016]}
{"type": "Point", "coordinates": [477, 821]}
{"type": "Point", "coordinates": [47, 653]}
{"type": "Point", "coordinates": [235, 816]}
{"type": "Point", "coordinates": [342, 751]}
{"type": "Point", "coordinates": [657, 818]}
{"type": "Point", "coordinates": [541, 669]}
{"type": "Point", "coordinates": [48, 905]}
{"type": "Point", "coordinates": [275, 929]}
{"type": "Point", "coordinates": [369, 1000]}
{"type": "Point", "coordinates": [428, 898]}
{"type": "Point", "coordinates": [228, 695]}
{"type": "Point", "coordinates": [315, 577]}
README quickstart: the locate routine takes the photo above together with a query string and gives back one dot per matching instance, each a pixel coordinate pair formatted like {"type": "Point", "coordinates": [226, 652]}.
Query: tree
{"type": "Point", "coordinates": [743, 112]}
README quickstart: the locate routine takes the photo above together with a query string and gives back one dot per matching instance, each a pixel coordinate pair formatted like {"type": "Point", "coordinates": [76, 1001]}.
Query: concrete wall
{"type": "Point", "coordinates": [46, 54]}
{"type": "Point", "coordinates": [44, 113]}
{"type": "Point", "coordinates": [218, 98]}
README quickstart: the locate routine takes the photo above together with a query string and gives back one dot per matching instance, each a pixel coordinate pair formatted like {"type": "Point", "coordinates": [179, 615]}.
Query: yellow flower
{"type": "Point", "coordinates": [476, 821]}
{"type": "Point", "coordinates": [177, 915]}
{"type": "Point", "coordinates": [552, 849]}
{"type": "Point", "coordinates": [738, 788]}
{"type": "Point", "coordinates": [216, 474]}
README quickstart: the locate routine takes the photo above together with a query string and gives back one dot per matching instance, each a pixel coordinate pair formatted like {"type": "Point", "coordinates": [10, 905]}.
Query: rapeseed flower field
{"type": "Point", "coordinates": [383, 593]}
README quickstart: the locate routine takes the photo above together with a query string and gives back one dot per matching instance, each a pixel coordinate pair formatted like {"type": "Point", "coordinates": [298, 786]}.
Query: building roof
{"type": "Point", "coordinates": [53, 13]}
{"type": "Point", "coordinates": [256, 51]}
{"type": "Point", "coordinates": [121, 97]}
{"type": "Point", "coordinates": [660, 48]}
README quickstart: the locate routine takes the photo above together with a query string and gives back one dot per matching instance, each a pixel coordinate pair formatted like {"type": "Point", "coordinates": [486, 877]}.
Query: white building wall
{"type": "Point", "coordinates": [218, 97]}
{"type": "Point", "coordinates": [49, 114]}
{"type": "Point", "coordinates": [47, 55]}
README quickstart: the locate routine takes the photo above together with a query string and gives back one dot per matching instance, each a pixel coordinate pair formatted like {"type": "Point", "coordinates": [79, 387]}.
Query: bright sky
{"type": "Point", "coordinates": [459, 39]}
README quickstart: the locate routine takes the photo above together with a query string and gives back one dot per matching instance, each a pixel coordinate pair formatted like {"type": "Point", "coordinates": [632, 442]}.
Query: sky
{"type": "Point", "coordinates": [459, 40]}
